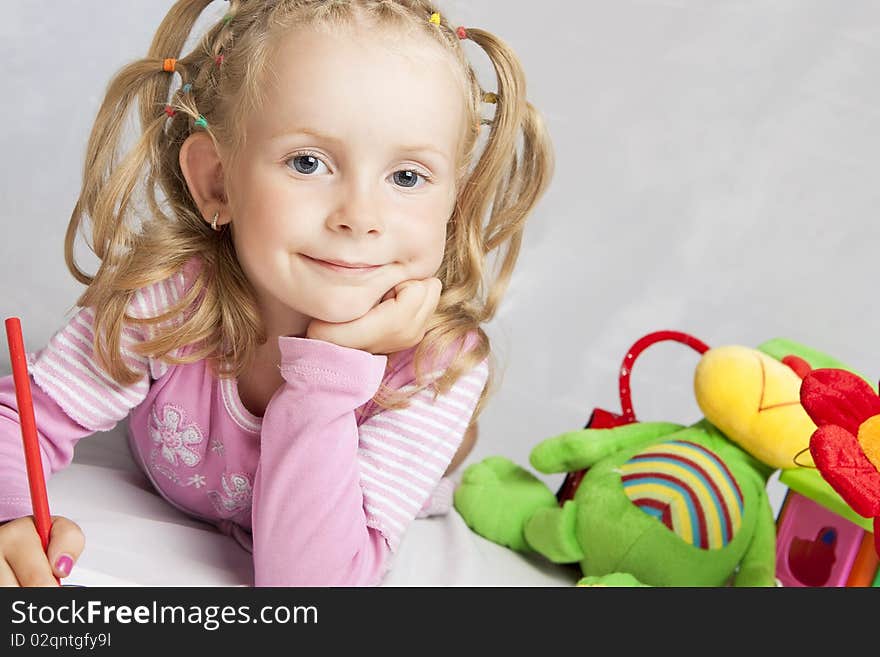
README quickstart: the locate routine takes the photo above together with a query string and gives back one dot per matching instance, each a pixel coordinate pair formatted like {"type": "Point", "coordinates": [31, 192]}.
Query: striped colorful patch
{"type": "Point", "coordinates": [687, 488]}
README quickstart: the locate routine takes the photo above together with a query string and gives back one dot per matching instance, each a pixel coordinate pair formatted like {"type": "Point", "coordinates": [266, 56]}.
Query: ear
{"type": "Point", "coordinates": [203, 170]}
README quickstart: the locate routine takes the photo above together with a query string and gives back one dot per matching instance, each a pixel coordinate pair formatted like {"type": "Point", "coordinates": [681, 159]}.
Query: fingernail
{"type": "Point", "coordinates": [63, 565]}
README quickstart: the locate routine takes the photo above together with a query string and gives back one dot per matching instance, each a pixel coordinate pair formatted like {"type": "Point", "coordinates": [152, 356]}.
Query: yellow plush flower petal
{"type": "Point", "coordinates": [869, 440]}
{"type": "Point", "coordinates": [755, 400]}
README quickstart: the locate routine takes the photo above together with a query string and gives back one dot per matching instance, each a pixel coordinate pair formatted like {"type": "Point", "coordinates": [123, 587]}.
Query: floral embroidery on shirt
{"type": "Point", "coordinates": [217, 447]}
{"type": "Point", "coordinates": [173, 438]}
{"type": "Point", "coordinates": [157, 466]}
{"type": "Point", "coordinates": [236, 495]}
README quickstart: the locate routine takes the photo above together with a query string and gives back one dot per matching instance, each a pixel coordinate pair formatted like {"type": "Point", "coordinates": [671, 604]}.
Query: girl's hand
{"type": "Point", "coordinates": [398, 322]}
{"type": "Point", "coordinates": [22, 560]}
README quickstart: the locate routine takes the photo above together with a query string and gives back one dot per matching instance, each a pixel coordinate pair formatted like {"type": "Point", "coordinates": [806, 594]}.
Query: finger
{"type": "Point", "coordinates": [421, 299]}
{"type": "Point", "coordinates": [410, 297]}
{"type": "Point", "coordinates": [400, 323]}
{"type": "Point", "coordinates": [407, 283]}
{"type": "Point", "coordinates": [386, 328]}
{"type": "Point", "coordinates": [394, 291]}
{"type": "Point", "coordinates": [433, 289]}
{"type": "Point", "coordinates": [430, 297]}
{"type": "Point", "coordinates": [7, 577]}
{"type": "Point", "coordinates": [29, 562]}
{"type": "Point", "coordinates": [66, 543]}
{"type": "Point", "coordinates": [431, 280]}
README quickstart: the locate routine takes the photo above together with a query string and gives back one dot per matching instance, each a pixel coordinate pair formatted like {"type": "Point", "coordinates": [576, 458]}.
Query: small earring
{"type": "Point", "coordinates": [214, 222]}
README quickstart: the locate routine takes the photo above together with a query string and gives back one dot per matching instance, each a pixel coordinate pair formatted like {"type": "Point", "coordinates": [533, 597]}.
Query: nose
{"type": "Point", "coordinates": [358, 212]}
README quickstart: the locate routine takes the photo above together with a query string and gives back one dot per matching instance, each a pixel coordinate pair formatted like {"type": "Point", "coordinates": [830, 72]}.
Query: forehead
{"type": "Point", "coordinates": [356, 83]}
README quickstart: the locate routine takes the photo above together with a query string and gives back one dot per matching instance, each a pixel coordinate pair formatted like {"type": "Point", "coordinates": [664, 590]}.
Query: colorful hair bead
{"type": "Point", "coordinates": [170, 111]}
{"type": "Point", "coordinates": [462, 33]}
{"type": "Point", "coordinates": [168, 65]}
{"type": "Point", "coordinates": [227, 19]}
{"type": "Point", "coordinates": [187, 88]}
{"type": "Point", "coordinates": [218, 60]}
{"type": "Point", "coordinates": [435, 18]}
{"type": "Point", "coordinates": [201, 122]}
{"type": "Point", "coordinates": [490, 97]}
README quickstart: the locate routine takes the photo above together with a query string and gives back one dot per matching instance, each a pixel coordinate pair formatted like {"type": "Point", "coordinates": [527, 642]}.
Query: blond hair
{"type": "Point", "coordinates": [220, 83]}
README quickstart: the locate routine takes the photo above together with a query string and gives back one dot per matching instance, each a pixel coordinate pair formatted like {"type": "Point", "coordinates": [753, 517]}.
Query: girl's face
{"type": "Point", "coordinates": [346, 180]}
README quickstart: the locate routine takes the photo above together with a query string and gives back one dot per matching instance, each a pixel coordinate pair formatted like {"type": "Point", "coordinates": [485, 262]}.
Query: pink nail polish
{"type": "Point", "coordinates": [63, 565]}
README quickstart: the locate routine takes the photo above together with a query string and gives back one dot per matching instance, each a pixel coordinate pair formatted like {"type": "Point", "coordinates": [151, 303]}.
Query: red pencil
{"type": "Point", "coordinates": [36, 480]}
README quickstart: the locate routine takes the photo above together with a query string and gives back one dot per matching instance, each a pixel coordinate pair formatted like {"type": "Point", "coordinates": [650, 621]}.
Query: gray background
{"type": "Point", "coordinates": [716, 165]}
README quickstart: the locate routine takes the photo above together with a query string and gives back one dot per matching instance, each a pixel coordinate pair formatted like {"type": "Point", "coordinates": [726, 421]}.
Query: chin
{"type": "Point", "coordinates": [341, 311]}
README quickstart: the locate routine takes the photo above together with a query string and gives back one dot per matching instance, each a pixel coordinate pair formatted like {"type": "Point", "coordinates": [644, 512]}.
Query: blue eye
{"type": "Point", "coordinates": [305, 163]}
{"type": "Point", "coordinates": [406, 178]}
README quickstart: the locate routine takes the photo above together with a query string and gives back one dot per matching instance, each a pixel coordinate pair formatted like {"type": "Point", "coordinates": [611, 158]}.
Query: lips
{"type": "Point", "coordinates": [342, 265]}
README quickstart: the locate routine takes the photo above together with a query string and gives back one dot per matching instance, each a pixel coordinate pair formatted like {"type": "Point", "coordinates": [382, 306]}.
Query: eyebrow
{"type": "Point", "coordinates": [324, 137]}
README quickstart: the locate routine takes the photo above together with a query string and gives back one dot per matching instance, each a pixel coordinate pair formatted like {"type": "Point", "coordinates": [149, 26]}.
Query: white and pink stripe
{"type": "Point", "coordinates": [404, 453]}
{"type": "Point", "coordinates": [67, 371]}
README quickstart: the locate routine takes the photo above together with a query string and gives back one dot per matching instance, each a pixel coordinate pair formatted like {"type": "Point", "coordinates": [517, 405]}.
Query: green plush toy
{"type": "Point", "coordinates": [661, 504]}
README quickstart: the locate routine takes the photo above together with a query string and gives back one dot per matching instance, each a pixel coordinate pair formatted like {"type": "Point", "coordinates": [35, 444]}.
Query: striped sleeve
{"type": "Point", "coordinates": [67, 371]}
{"type": "Point", "coordinates": [403, 453]}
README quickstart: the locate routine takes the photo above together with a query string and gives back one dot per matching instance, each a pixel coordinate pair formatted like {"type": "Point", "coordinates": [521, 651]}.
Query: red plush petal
{"type": "Point", "coordinates": [833, 396]}
{"type": "Point", "coordinates": [798, 365]}
{"type": "Point", "coordinates": [842, 463]}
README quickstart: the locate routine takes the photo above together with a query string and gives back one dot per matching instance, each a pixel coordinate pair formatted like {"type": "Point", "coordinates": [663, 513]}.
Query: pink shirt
{"type": "Point", "coordinates": [321, 488]}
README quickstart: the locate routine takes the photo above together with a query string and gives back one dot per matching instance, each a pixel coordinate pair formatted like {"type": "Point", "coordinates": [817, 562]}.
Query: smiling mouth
{"type": "Point", "coordinates": [343, 267]}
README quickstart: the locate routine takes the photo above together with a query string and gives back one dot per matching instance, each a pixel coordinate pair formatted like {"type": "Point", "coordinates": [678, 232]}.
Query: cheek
{"type": "Point", "coordinates": [263, 195]}
{"type": "Point", "coordinates": [424, 249]}
{"type": "Point", "coordinates": [266, 224]}
{"type": "Point", "coordinates": [257, 234]}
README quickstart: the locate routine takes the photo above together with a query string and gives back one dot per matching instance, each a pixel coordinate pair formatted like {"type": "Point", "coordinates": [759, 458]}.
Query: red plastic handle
{"type": "Point", "coordinates": [634, 352]}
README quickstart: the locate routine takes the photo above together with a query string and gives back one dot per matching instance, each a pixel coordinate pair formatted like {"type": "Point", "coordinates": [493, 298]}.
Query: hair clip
{"type": "Point", "coordinates": [170, 111]}
{"type": "Point", "coordinates": [201, 122]}
{"type": "Point", "coordinates": [490, 97]}
{"type": "Point", "coordinates": [462, 33]}
{"type": "Point", "coordinates": [435, 18]}
{"type": "Point", "coordinates": [168, 65]}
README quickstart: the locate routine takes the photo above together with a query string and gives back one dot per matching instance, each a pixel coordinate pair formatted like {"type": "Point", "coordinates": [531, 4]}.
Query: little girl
{"type": "Point", "coordinates": [296, 257]}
